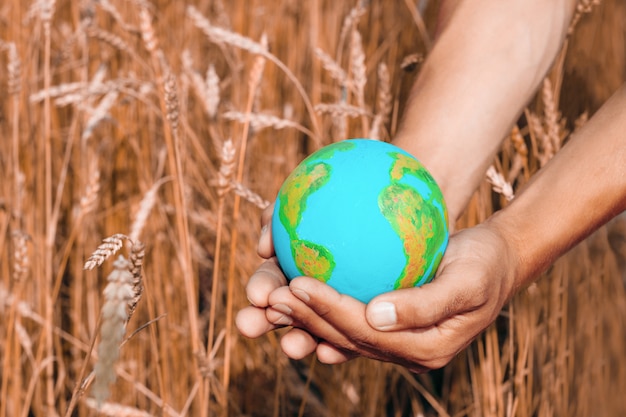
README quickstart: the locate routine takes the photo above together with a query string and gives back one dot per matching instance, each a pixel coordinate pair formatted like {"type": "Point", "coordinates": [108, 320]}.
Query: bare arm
{"type": "Point", "coordinates": [483, 69]}
{"type": "Point", "coordinates": [580, 189]}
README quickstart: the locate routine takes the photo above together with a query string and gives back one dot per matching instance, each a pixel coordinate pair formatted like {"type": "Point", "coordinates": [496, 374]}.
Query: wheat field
{"type": "Point", "coordinates": [139, 142]}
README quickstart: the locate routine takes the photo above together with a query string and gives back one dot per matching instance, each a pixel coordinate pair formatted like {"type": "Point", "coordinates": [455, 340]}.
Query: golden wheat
{"type": "Point", "coordinates": [117, 115]}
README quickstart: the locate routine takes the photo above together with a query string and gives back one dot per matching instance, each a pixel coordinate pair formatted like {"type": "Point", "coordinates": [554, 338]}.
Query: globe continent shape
{"type": "Point", "coordinates": [363, 216]}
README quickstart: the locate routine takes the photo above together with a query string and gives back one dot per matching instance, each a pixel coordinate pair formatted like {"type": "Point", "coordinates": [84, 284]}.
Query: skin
{"type": "Point", "coordinates": [485, 81]}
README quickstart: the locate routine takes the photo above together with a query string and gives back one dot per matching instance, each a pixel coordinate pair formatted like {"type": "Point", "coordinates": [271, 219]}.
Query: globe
{"type": "Point", "coordinates": [363, 216]}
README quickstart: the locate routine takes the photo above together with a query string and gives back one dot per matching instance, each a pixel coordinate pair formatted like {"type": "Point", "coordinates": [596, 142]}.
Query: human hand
{"type": "Point", "coordinates": [253, 321]}
{"type": "Point", "coordinates": [262, 317]}
{"type": "Point", "coordinates": [420, 328]}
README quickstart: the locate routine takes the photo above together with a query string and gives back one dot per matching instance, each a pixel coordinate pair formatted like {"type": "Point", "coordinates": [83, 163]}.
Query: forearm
{"type": "Point", "coordinates": [581, 188]}
{"type": "Point", "coordinates": [485, 66]}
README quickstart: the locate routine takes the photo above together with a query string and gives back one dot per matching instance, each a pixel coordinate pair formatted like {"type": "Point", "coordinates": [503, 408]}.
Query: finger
{"type": "Point", "coordinates": [329, 354]}
{"type": "Point", "coordinates": [291, 304]}
{"type": "Point", "coordinates": [297, 344]}
{"type": "Point", "coordinates": [265, 248]}
{"type": "Point", "coordinates": [252, 323]}
{"type": "Point", "coordinates": [333, 317]}
{"type": "Point", "coordinates": [265, 280]}
{"type": "Point", "coordinates": [424, 306]}
{"type": "Point", "coordinates": [267, 213]}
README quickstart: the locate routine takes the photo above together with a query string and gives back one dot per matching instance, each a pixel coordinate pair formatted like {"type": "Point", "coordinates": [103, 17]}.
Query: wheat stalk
{"type": "Point", "coordinates": [227, 167]}
{"type": "Point", "coordinates": [581, 120]}
{"type": "Point", "coordinates": [110, 246]}
{"type": "Point", "coordinates": [349, 22]}
{"type": "Point", "coordinates": [333, 68]}
{"type": "Point", "coordinates": [100, 113]}
{"type": "Point", "coordinates": [410, 62]}
{"type": "Point", "coordinates": [115, 410]}
{"type": "Point", "coordinates": [341, 109]}
{"type": "Point", "coordinates": [259, 121]}
{"type": "Point", "coordinates": [520, 159]}
{"type": "Point", "coordinates": [90, 197]}
{"type": "Point", "coordinates": [147, 31]}
{"type": "Point", "coordinates": [551, 116]}
{"type": "Point", "coordinates": [222, 36]}
{"type": "Point", "coordinates": [137, 253]}
{"type": "Point", "coordinates": [171, 100]}
{"type": "Point", "coordinates": [499, 184]}
{"type": "Point", "coordinates": [207, 88]}
{"type": "Point", "coordinates": [107, 6]}
{"type": "Point", "coordinates": [117, 294]}
{"type": "Point", "coordinates": [249, 195]}
{"type": "Point", "coordinates": [111, 39]}
{"type": "Point", "coordinates": [212, 91]}
{"type": "Point", "coordinates": [357, 66]}
{"type": "Point", "coordinates": [14, 69]}
{"type": "Point", "coordinates": [582, 7]}
{"type": "Point", "coordinates": [256, 73]}
{"type": "Point", "coordinates": [21, 260]}
{"type": "Point", "coordinates": [145, 207]}
{"type": "Point", "coordinates": [383, 103]}
{"type": "Point", "coordinates": [541, 138]}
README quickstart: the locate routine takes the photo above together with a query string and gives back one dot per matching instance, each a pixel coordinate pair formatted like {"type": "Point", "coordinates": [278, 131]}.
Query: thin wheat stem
{"type": "Point", "coordinates": [233, 242]}
{"type": "Point", "coordinates": [220, 35]}
{"type": "Point", "coordinates": [46, 17]}
{"type": "Point", "coordinates": [227, 165]}
{"type": "Point", "coordinates": [419, 22]}
{"type": "Point", "coordinates": [175, 169]}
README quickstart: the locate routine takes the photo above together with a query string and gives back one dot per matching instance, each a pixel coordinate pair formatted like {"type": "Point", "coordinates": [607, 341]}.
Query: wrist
{"type": "Point", "coordinates": [521, 267]}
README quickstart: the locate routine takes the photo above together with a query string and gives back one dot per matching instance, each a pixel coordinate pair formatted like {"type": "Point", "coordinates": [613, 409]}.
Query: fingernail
{"type": "Point", "coordinates": [284, 321]}
{"type": "Point", "coordinates": [382, 315]}
{"type": "Point", "coordinates": [283, 308]}
{"type": "Point", "coordinates": [263, 231]}
{"type": "Point", "coordinates": [301, 295]}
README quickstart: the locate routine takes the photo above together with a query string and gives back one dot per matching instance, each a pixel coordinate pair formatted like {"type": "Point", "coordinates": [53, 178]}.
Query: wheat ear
{"type": "Point", "coordinates": [499, 184]}
{"type": "Point", "coordinates": [115, 410]}
{"type": "Point", "coordinates": [383, 103]}
{"type": "Point", "coordinates": [117, 294]}
{"type": "Point", "coordinates": [110, 246]}
{"type": "Point", "coordinates": [582, 7]}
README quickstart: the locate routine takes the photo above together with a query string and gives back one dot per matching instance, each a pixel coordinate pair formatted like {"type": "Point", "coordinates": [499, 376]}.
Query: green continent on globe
{"type": "Point", "coordinates": [411, 219]}
{"type": "Point", "coordinates": [310, 258]}
{"type": "Point", "coordinates": [406, 165]}
{"type": "Point", "coordinates": [327, 152]}
{"type": "Point", "coordinates": [302, 182]}
{"type": "Point", "coordinates": [313, 260]}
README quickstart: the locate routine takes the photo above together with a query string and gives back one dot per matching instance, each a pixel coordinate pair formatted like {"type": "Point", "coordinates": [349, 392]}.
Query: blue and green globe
{"type": "Point", "coordinates": [363, 216]}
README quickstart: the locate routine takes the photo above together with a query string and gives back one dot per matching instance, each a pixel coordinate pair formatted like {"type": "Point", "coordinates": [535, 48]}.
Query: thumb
{"type": "Point", "coordinates": [424, 306]}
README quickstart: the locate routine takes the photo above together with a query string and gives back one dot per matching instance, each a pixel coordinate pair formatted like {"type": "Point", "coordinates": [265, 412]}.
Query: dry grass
{"type": "Point", "coordinates": [174, 122]}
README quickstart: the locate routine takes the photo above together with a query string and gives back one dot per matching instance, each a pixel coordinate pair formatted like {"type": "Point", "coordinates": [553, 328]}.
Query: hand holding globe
{"type": "Point", "coordinates": [463, 103]}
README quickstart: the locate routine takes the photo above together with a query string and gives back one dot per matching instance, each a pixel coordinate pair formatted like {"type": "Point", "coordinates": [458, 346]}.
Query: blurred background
{"type": "Point", "coordinates": [174, 124]}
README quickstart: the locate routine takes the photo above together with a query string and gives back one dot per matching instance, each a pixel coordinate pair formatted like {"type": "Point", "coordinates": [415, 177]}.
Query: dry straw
{"type": "Point", "coordinates": [172, 113]}
{"type": "Point", "coordinates": [332, 67]}
{"type": "Point", "coordinates": [499, 183]}
{"type": "Point", "coordinates": [383, 102]}
{"type": "Point", "coordinates": [21, 260]}
{"type": "Point", "coordinates": [117, 296]}
{"type": "Point", "coordinates": [145, 208]}
{"type": "Point", "coordinates": [121, 295]}
{"type": "Point", "coordinates": [207, 88]}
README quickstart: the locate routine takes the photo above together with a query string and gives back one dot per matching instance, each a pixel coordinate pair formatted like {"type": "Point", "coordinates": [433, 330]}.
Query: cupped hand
{"type": "Point", "coordinates": [420, 328]}
{"type": "Point", "coordinates": [261, 317]}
